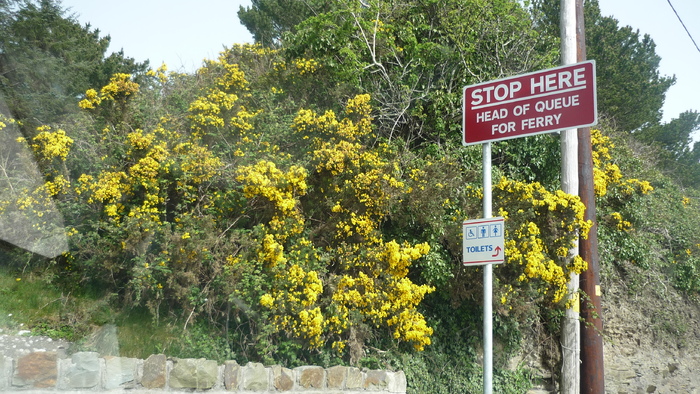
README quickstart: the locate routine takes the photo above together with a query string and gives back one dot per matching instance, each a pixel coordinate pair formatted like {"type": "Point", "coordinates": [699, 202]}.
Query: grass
{"type": "Point", "coordinates": [32, 302]}
{"type": "Point", "coordinates": [27, 302]}
{"type": "Point", "coordinates": [140, 336]}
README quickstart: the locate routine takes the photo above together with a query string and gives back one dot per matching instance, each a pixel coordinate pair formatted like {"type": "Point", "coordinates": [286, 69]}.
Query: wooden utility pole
{"type": "Point", "coordinates": [592, 364]}
{"type": "Point", "coordinates": [571, 330]}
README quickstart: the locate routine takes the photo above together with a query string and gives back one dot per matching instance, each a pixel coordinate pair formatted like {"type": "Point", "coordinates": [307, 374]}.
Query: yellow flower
{"type": "Point", "coordinates": [266, 300]}
{"type": "Point", "coordinates": [50, 144]}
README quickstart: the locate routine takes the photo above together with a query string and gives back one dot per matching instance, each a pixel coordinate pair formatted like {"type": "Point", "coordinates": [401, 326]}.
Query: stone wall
{"type": "Point", "coordinates": [87, 371]}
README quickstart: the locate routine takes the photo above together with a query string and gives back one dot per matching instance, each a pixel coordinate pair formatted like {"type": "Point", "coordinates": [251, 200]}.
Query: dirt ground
{"type": "Point", "coordinates": [651, 337]}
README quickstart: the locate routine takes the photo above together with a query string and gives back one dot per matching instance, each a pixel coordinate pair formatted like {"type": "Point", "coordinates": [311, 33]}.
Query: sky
{"type": "Point", "coordinates": [678, 54]}
{"type": "Point", "coordinates": [184, 33]}
{"type": "Point", "coordinates": [180, 33]}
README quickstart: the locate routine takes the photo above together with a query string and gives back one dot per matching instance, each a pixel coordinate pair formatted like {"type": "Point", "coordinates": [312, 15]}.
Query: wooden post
{"type": "Point", "coordinates": [592, 364]}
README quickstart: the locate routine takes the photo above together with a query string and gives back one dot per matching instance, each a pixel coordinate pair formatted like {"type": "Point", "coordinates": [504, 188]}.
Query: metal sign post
{"type": "Point", "coordinates": [483, 243]}
{"type": "Point", "coordinates": [488, 278]}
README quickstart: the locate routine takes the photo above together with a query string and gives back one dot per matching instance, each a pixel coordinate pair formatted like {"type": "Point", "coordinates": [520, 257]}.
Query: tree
{"type": "Point", "coordinates": [47, 59]}
{"type": "Point", "coordinates": [674, 136]}
{"type": "Point", "coordinates": [268, 20]}
{"type": "Point", "coordinates": [414, 57]}
{"type": "Point", "coordinates": [631, 91]}
{"type": "Point", "coordinates": [677, 155]}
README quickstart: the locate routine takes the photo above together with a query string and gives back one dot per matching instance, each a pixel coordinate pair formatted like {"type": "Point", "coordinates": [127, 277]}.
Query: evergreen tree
{"type": "Point", "coordinates": [268, 20]}
{"type": "Point", "coordinates": [678, 155]}
{"type": "Point", "coordinates": [631, 91]}
{"type": "Point", "coordinates": [674, 136]}
{"type": "Point", "coordinates": [47, 60]}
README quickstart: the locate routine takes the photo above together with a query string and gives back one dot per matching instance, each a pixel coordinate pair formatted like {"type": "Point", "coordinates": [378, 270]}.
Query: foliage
{"type": "Point", "coordinates": [678, 155]}
{"type": "Point", "coordinates": [353, 187]}
{"type": "Point", "coordinates": [156, 212]}
{"type": "Point", "coordinates": [675, 136]}
{"type": "Point", "coordinates": [645, 232]}
{"type": "Point", "coordinates": [451, 364]}
{"type": "Point", "coordinates": [47, 59]}
{"type": "Point", "coordinates": [28, 211]}
{"type": "Point", "coordinates": [204, 212]}
{"type": "Point", "coordinates": [630, 91]}
{"type": "Point", "coordinates": [268, 20]}
{"type": "Point", "coordinates": [414, 57]}
{"type": "Point", "coordinates": [541, 255]}
{"type": "Point", "coordinates": [300, 201]}
{"type": "Point", "coordinates": [619, 202]}
{"type": "Point", "coordinates": [536, 158]}
{"type": "Point", "coordinates": [29, 302]}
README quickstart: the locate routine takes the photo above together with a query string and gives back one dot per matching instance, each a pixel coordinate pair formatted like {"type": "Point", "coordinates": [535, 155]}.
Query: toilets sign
{"type": "Point", "coordinates": [482, 241]}
{"type": "Point", "coordinates": [540, 102]}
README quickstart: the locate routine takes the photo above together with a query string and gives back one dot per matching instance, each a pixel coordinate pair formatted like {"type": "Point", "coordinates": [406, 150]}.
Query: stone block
{"type": "Point", "coordinates": [5, 372]}
{"type": "Point", "coordinates": [189, 373]}
{"type": "Point", "coordinates": [282, 378]}
{"type": "Point", "coordinates": [232, 375]}
{"type": "Point", "coordinates": [120, 372]}
{"type": "Point", "coordinates": [335, 377]}
{"type": "Point", "coordinates": [154, 369]}
{"type": "Point", "coordinates": [83, 371]}
{"type": "Point", "coordinates": [36, 370]}
{"type": "Point", "coordinates": [355, 379]}
{"type": "Point", "coordinates": [397, 382]}
{"type": "Point", "coordinates": [673, 367]}
{"type": "Point", "coordinates": [376, 380]}
{"type": "Point", "coordinates": [311, 377]}
{"type": "Point", "coordinates": [255, 377]}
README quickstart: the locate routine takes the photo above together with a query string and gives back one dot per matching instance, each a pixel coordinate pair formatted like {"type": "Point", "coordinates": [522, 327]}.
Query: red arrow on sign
{"type": "Point", "coordinates": [498, 251]}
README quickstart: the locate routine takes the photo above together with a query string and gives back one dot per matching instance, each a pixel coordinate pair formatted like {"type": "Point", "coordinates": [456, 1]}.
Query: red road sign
{"type": "Point", "coordinates": [544, 101]}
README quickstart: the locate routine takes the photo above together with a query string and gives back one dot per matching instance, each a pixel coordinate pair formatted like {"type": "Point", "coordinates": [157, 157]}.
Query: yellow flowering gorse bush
{"type": "Point", "coordinates": [368, 283]}
{"type": "Point", "coordinates": [609, 179]}
{"type": "Point", "coordinates": [541, 229]}
{"type": "Point", "coordinates": [119, 89]}
{"type": "Point", "coordinates": [49, 144]}
{"type": "Point", "coordinates": [607, 174]}
{"type": "Point", "coordinates": [542, 226]}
